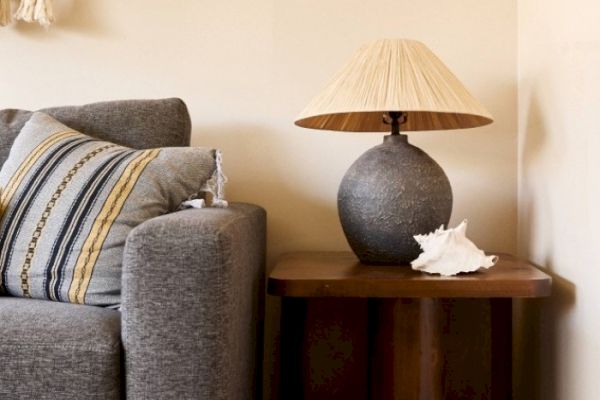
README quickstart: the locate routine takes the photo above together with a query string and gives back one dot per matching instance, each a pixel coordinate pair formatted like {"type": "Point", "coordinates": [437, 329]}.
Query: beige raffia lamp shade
{"type": "Point", "coordinates": [394, 75]}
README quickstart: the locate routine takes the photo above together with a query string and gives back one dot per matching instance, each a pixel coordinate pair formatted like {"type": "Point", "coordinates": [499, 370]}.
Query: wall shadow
{"type": "Point", "coordinates": [537, 339]}
{"type": "Point", "coordinates": [537, 330]}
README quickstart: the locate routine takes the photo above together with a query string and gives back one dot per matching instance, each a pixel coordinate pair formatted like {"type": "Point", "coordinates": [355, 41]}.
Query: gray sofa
{"type": "Point", "coordinates": [192, 288]}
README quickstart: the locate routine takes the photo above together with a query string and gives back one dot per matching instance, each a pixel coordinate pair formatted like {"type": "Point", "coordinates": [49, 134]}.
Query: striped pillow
{"type": "Point", "coordinates": [68, 202]}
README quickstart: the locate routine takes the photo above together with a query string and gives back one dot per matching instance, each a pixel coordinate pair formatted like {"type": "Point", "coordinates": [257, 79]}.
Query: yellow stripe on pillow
{"type": "Point", "coordinates": [109, 212]}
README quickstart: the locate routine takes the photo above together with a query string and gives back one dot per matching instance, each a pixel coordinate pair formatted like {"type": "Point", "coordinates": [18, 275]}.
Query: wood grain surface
{"type": "Point", "coordinates": [340, 274]}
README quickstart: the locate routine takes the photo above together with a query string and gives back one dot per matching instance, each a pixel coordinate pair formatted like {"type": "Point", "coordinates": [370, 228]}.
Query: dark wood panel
{"type": "Point", "coordinates": [466, 336]}
{"type": "Point", "coordinates": [395, 362]}
{"type": "Point", "coordinates": [335, 364]}
{"type": "Point", "coordinates": [432, 353]}
{"type": "Point", "coordinates": [324, 349]}
{"type": "Point", "coordinates": [293, 315]}
{"type": "Point", "coordinates": [501, 352]}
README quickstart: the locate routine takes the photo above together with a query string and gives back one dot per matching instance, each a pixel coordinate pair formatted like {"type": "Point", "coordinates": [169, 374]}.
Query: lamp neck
{"type": "Point", "coordinates": [395, 119]}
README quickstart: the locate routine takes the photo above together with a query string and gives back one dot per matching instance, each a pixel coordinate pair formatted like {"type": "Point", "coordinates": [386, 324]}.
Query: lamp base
{"type": "Point", "coordinates": [391, 193]}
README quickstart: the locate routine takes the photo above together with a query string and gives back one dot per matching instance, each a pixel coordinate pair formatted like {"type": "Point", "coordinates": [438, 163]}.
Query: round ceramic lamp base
{"type": "Point", "coordinates": [391, 193]}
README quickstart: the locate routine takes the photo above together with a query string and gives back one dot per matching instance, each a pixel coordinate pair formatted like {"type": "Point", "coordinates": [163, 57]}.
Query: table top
{"type": "Point", "coordinates": [340, 274]}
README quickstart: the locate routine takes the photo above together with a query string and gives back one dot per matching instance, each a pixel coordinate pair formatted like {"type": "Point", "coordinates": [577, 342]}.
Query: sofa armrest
{"type": "Point", "coordinates": [192, 296]}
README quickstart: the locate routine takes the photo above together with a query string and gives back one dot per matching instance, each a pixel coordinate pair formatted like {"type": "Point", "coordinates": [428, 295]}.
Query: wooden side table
{"type": "Point", "coordinates": [353, 331]}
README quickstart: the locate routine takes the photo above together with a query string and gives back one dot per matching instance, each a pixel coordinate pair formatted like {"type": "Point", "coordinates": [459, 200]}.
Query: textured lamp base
{"type": "Point", "coordinates": [392, 192]}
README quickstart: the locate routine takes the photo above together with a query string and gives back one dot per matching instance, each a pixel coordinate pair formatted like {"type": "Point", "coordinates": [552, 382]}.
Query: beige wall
{"type": "Point", "coordinates": [247, 68]}
{"type": "Point", "coordinates": [559, 177]}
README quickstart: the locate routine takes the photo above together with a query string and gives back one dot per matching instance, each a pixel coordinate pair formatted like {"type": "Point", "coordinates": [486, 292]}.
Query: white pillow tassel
{"type": "Point", "coordinates": [5, 12]}
{"type": "Point", "coordinates": [216, 184]}
{"type": "Point", "coordinates": [219, 197]}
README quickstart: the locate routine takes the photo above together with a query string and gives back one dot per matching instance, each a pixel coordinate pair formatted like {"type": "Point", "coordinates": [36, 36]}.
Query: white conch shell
{"type": "Point", "coordinates": [449, 252]}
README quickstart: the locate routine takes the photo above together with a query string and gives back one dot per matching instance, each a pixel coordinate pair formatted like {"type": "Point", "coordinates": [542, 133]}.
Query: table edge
{"type": "Point", "coordinates": [538, 287]}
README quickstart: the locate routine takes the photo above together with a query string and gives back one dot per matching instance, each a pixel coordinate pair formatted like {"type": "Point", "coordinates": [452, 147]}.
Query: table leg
{"type": "Point", "coordinates": [476, 340]}
{"type": "Point", "coordinates": [405, 354]}
{"type": "Point", "coordinates": [501, 326]}
{"type": "Point", "coordinates": [293, 314]}
{"type": "Point", "coordinates": [451, 349]}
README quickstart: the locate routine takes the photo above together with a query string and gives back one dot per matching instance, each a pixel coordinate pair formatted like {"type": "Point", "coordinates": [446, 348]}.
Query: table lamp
{"type": "Point", "coordinates": [394, 190]}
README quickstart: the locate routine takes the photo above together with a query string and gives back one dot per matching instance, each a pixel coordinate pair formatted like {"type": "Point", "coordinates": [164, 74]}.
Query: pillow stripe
{"type": "Point", "coordinates": [26, 165]}
{"type": "Point", "coordinates": [111, 209]}
{"type": "Point", "coordinates": [48, 211]}
{"type": "Point", "coordinates": [75, 220]}
{"type": "Point", "coordinates": [32, 189]}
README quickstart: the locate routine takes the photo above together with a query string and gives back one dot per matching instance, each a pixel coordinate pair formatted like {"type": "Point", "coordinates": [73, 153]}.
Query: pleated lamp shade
{"type": "Point", "coordinates": [394, 75]}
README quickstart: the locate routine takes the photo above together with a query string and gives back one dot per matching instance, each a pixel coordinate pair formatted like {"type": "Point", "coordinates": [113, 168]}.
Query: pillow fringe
{"type": "Point", "coordinates": [217, 183]}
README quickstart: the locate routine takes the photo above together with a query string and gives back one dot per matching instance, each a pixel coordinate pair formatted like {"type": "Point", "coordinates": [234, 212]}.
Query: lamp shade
{"type": "Point", "coordinates": [394, 75]}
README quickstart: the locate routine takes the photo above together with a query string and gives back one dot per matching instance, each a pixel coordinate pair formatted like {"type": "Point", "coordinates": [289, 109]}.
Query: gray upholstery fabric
{"type": "Point", "coordinates": [58, 351]}
{"type": "Point", "coordinates": [191, 284]}
{"type": "Point", "coordinates": [141, 124]}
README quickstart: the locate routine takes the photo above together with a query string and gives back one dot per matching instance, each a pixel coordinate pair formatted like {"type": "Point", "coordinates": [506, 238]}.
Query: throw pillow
{"type": "Point", "coordinates": [69, 200]}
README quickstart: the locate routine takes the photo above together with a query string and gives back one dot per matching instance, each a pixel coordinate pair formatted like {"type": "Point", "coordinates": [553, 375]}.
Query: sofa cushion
{"type": "Point", "coordinates": [141, 124]}
{"type": "Point", "coordinates": [52, 350]}
{"type": "Point", "coordinates": [69, 201]}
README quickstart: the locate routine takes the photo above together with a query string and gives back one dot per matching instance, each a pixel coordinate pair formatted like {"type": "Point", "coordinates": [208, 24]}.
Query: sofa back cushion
{"type": "Point", "coordinates": [140, 124]}
{"type": "Point", "coordinates": [69, 201]}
